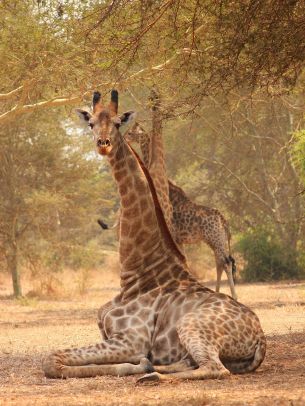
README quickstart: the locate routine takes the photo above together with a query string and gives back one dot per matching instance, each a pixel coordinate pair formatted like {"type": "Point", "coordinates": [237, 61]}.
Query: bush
{"type": "Point", "coordinates": [266, 258]}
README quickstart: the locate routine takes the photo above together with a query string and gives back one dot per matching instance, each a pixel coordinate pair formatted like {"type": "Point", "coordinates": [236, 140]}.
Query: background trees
{"type": "Point", "coordinates": [230, 74]}
{"type": "Point", "coordinates": [50, 195]}
{"type": "Point", "coordinates": [240, 158]}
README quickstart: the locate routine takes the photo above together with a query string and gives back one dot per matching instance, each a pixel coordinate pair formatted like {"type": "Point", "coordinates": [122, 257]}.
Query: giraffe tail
{"type": "Point", "coordinates": [229, 259]}
{"type": "Point", "coordinates": [250, 364]}
{"type": "Point", "coordinates": [234, 270]}
{"type": "Point", "coordinates": [102, 224]}
{"type": "Point", "coordinates": [106, 227]}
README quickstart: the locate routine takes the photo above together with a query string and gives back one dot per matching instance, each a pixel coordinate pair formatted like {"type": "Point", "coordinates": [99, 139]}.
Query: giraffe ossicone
{"type": "Point", "coordinates": [163, 316]}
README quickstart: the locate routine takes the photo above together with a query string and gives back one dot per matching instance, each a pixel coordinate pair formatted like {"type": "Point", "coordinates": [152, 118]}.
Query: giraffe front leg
{"type": "Point", "coordinates": [180, 366]}
{"type": "Point", "coordinates": [203, 372]}
{"type": "Point", "coordinates": [92, 370]}
{"type": "Point", "coordinates": [115, 356]}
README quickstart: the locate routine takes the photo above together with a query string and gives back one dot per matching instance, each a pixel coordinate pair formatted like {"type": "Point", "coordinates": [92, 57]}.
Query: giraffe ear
{"type": "Point", "coordinates": [83, 115]}
{"type": "Point", "coordinates": [127, 117]}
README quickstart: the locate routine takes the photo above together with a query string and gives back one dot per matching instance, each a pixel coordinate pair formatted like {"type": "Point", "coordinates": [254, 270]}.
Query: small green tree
{"type": "Point", "coordinates": [267, 258]}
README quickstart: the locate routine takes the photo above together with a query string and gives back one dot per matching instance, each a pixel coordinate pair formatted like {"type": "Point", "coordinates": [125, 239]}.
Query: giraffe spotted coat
{"type": "Point", "coordinates": [163, 320]}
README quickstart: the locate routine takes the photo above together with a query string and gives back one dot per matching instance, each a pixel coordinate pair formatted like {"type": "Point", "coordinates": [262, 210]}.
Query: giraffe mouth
{"type": "Point", "coordinates": [104, 149]}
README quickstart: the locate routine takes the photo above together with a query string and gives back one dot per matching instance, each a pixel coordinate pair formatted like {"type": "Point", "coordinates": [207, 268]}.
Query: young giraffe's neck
{"type": "Point", "coordinates": [156, 165]}
{"type": "Point", "coordinates": [142, 138]}
{"type": "Point", "coordinates": [148, 255]}
{"type": "Point", "coordinates": [145, 145]}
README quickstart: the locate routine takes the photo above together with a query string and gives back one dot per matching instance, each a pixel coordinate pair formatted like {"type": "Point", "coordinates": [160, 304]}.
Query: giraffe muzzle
{"type": "Point", "coordinates": [104, 146]}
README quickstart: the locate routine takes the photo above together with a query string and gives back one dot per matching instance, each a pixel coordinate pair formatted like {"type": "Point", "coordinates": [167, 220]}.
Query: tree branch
{"type": "Point", "coordinates": [9, 95]}
{"type": "Point", "coordinates": [28, 108]}
{"type": "Point", "coordinates": [251, 192]}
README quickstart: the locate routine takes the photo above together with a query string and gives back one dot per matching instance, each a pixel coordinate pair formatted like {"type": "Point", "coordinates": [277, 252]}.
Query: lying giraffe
{"type": "Point", "coordinates": [191, 222]}
{"type": "Point", "coordinates": [163, 315]}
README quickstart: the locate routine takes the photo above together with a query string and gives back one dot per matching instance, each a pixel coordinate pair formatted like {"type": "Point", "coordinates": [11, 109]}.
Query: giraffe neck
{"type": "Point", "coordinates": [145, 142]}
{"type": "Point", "coordinates": [148, 255]}
{"type": "Point", "coordinates": [139, 135]}
{"type": "Point", "coordinates": [153, 152]}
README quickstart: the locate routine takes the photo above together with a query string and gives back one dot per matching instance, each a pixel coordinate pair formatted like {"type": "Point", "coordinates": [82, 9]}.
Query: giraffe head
{"type": "Point", "coordinates": [105, 122]}
{"type": "Point", "coordinates": [134, 133]}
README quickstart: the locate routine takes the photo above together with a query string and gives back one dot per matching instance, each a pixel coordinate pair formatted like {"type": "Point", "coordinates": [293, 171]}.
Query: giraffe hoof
{"type": "Point", "coordinates": [147, 365]}
{"type": "Point", "coordinates": [150, 378]}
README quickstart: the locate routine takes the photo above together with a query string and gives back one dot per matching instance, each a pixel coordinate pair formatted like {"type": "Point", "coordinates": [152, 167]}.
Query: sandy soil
{"type": "Point", "coordinates": [30, 328]}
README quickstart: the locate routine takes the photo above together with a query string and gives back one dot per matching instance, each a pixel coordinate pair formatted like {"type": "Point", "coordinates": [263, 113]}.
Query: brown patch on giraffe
{"type": "Point", "coordinates": [129, 200]}
{"type": "Point", "coordinates": [160, 344]}
{"type": "Point", "coordinates": [141, 187]}
{"type": "Point", "coordinates": [143, 313]}
{"type": "Point", "coordinates": [122, 323]}
{"type": "Point", "coordinates": [132, 307]}
{"type": "Point", "coordinates": [117, 312]}
{"type": "Point", "coordinates": [132, 164]}
{"type": "Point", "coordinates": [128, 181]}
{"type": "Point", "coordinates": [124, 229]}
{"type": "Point", "coordinates": [119, 175]}
{"type": "Point", "coordinates": [135, 229]}
{"type": "Point", "coordinates": [132, 212]}
{"type": "Point", "coordinates": [148, 220]}
{"type": "Point", "coordinates": [141, 238]}
{"type": "Point", "coordinates": [173, 335]}
{"type": "Point", "coordinates": [119, 165]}
{"type": "Point", "coordinates": [143, 204]}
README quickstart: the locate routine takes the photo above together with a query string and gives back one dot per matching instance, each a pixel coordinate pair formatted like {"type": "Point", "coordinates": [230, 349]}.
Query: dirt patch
{"type": "Point", "coordinates": [30, 329]}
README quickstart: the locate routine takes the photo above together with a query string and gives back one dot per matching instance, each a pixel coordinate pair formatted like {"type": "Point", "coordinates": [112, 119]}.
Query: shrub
{"type": "Point", "coordinates": [267, 258]}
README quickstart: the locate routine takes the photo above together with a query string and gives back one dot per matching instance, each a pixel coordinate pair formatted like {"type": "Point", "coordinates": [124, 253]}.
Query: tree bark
{"type": "Point", "coordinates": [12, 262]}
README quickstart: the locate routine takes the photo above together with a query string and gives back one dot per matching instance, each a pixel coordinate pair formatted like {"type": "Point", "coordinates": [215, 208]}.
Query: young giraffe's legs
{"type": "Point", "coordinates": [218, 242]}
{"type": "Point", "coordinates": [219, 270]}
{"type": "Point", "coordinates": [120, 353]}
{"type": "Point", "coordinates": [228, 270]}
{"type": "Point", "coordinates": [223, 263]}
{"type": "Point", "coordinates": [204, 352]}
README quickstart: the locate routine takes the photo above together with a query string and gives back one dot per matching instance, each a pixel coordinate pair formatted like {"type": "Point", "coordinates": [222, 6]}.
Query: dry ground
{"type": "Point", "coordinates": [30, 328]}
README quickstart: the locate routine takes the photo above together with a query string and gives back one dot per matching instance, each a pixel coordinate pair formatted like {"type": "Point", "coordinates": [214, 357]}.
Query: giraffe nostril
{"type": "Point", "coordinates": [107, 142]}
{"type": "Point", "coordinates": [99, 143]}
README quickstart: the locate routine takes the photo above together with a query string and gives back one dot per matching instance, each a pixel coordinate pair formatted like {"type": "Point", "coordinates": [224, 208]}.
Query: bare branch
{"type": "Point", "coordinates": [29, 108]}
{"type": "Point", "coordinates": [9, 95]}
{"type": "Point", "coordinates": [251, 192]}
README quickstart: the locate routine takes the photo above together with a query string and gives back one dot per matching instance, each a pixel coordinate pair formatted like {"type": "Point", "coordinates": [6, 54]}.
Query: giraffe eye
{"type": "Point", "coordinates": [90, 125]}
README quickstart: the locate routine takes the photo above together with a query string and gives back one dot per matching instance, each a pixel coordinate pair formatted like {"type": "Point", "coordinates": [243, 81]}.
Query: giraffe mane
{"type": "Point", "coordinates": [159, 213]}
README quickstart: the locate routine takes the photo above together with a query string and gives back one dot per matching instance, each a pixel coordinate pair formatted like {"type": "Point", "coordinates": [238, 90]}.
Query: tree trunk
{"type": "Point", "coordinates": [12, 262]}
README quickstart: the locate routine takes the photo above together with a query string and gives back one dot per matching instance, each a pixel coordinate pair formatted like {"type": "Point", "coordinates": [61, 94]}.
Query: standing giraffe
{"type": "Point", "coordinates": [156, 162]}
{"type": "Point", "coordinates": [191, 222]}
{"type": "Point", "coordinates": [162, 315]}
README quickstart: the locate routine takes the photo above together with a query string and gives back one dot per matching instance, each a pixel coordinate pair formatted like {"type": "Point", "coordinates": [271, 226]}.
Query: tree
{"type": "Point", "coordinates": [199, 48]}
{"type": "Point", "coordinates": [43, 66]}
{"type": "Point", "coordinates": [63, 51]}
{"type": "Point", "coordinates": [49, 188]}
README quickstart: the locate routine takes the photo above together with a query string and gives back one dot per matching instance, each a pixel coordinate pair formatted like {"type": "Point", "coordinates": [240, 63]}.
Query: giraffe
{"type": "Point", "coordinates": [164, 322]}
{"type": "Point", "coordinates": [155, 164]}
{"type": "Point", "coordinates": [156, 161]}
{"type": "Point", "coordinates": [191, 222]}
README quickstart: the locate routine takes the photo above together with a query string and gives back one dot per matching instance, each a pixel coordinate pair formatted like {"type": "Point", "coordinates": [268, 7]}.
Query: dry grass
{"type": "Point", "coordinates": [30, 328]}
